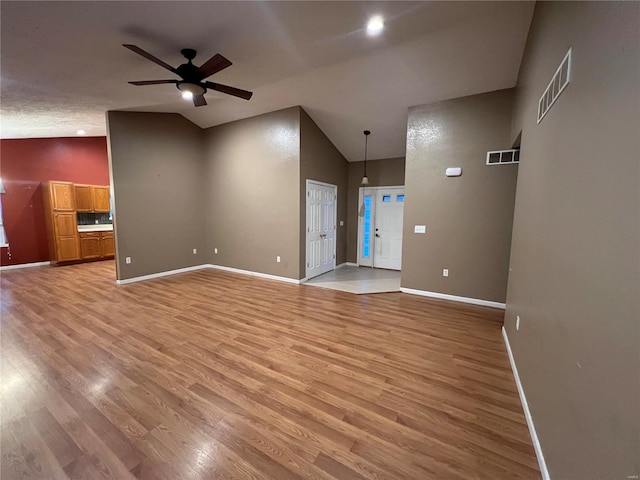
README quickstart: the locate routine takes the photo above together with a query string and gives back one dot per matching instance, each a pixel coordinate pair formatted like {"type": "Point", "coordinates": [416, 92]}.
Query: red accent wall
{"type": "Point", "coordinates": [25, 163]}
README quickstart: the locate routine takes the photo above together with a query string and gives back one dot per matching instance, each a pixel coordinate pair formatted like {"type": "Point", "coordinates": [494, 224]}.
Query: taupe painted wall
{"type": "Point", "coordinates": [384, 172]}
{"type": "Point", "coordinates": [575, 255]}
{"type": "Point", "coordinates": [320, 160]}
{"type": "Point", "coordinates": [252, 199]}
{"type": "Point", "coordinates": [468, 218]}
{"type": "Point", "coordinates": [156, 172]}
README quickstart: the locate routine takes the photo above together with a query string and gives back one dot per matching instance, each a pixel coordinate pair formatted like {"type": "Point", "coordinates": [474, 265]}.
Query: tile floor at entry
{"type": "Point", "coordinates": [358, 280]}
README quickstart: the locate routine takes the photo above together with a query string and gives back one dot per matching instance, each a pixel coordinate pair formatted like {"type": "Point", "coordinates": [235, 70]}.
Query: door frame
{"type": "Point", "coordinates": [360, 219]}
{"type": "Point", "coordinates": [306, 221]}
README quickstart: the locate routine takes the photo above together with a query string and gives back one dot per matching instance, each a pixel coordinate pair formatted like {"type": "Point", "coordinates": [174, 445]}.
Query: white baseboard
{"type": "Point", "coordinates": [350, 264]}
{"type": "Point", "coordinates": [161, 274]}
{"type": "Point", "coordinates": [257, 274]}
{"type": "Point", "coordinates": [527, 412]}
{"type": "Point", "coordinates": [25, 265]}
{"type": "Point", "coordinates": [455, 298]}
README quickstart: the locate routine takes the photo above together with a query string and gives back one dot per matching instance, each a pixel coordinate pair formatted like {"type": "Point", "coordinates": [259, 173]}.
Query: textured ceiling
{"type": "Point", "coordinates": [63, 66]}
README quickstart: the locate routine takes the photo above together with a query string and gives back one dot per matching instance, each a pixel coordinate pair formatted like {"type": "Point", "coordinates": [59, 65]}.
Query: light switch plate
{"type": "Point", "coordinates": [419, 229]}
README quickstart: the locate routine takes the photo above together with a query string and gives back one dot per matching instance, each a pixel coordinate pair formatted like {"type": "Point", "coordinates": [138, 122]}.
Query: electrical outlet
{"type": "Point", "coordinates": [215, 250]}
{"type": "Point", "coordinates": [195, 251]}
{"type": "Point", "coordinates": [278, 259]}
{"type": "Point", "coordinates": [342, 223]}
{"type": "Point", "coordinates": [445, 272]}
{"type": "Point", "coordinates": [127, 260]}
{"type": "Point", "coordinates": [517, 322]}
{"type": "Point", "coordinates": [419, 229]}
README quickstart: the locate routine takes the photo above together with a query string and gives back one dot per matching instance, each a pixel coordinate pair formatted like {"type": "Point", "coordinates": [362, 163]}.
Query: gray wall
{"type": "Point", "coordinates": [156, 171]}
{"type": "Point", "coordinates": [320, 160]}
{"type": "Point", "coordinates": [384, 172]}
{"type": "Point", "coordinates": [575, 255]}
{"type": "Point", "coordinates": [468, 218]}
{"type": "Point", "coordinates": [252, 193]}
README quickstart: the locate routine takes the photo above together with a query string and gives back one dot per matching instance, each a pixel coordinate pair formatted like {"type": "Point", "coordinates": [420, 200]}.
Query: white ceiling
{"type": "Point", "coordinates": [63, 66]}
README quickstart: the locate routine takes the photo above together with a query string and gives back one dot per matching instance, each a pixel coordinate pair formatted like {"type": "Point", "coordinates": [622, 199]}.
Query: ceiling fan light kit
{"type": "Point", "coordinates": [192, 88]}
{"type": "Point", "coordinates": [192, 84]}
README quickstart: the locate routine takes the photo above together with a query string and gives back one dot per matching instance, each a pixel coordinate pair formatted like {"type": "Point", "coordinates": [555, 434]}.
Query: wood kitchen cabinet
{"type": "Point", "coordinates": [108, 245]}
{"type": "Point", "coordinates": [97, 245]}
{"type": "Point", "coordinates": [90, 245]}
{"type": "Point", "coordinates": [92, 198]}
{"type": "Point", "coordinates": [61, 222]}
{"type": "Point", "coordinates": [62, 196]}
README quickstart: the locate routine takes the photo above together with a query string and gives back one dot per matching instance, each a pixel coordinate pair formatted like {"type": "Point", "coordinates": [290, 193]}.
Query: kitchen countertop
{"type": "Point", "coordinates": [95, 228]}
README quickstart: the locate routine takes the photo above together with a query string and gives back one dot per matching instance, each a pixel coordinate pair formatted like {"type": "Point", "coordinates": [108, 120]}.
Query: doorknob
{"type": "Point", "coordinates": [323, 235]}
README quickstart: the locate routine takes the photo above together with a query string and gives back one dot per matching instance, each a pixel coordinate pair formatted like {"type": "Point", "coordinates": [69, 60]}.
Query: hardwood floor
{"type": "Point", "coordinates": [217, 375]}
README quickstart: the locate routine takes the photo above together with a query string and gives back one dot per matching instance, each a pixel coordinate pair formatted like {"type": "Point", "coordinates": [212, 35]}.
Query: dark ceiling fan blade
{"type": "Point", "coordinates": [236, 92]}
{"type": "Point", "coordinates": [148, 56]}
{"type": "Point", "coordinates": [213, 65]}
{"type": "Point", "coordinates": [199, 101]}
{"type": "Point", "coordinates": [153, 82]}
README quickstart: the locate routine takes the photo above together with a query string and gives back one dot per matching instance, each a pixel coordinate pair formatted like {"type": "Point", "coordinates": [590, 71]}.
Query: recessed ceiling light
{"type": "Point", "coordinates": [81, 132]}
{"type": "Point", "coordinates": [375, 25]}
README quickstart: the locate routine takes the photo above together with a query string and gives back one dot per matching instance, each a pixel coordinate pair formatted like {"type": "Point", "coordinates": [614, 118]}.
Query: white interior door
{"type": "Point", "coordinates": [321, 228]}
{"type": "Point", "coordinates": [380, 227]}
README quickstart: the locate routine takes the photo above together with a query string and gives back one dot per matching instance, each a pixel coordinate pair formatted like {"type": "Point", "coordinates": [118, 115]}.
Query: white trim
{"type": "Point", "coordinates": [557, 74]}
{"type": "Point", "coordinates": [257, 274]}
{"type": "Point", "coordinates": [347, 264]}
{"type": "Point", "coordinates": [527, 412]}
{"type": "Point", "coordinates": [161, 274]}
{"type": "Point", "coordinates": [513, 160]}
{"type": "Point", "coordinates": [25, 265]}
{"type": "Point", "coordinates": [455, 298]}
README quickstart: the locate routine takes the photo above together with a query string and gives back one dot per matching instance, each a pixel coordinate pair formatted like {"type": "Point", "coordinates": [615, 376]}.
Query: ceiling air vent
{"type": "Point", "coordinates": [503, 157]}
{"type": "Point", "coordinates": [556, 86]}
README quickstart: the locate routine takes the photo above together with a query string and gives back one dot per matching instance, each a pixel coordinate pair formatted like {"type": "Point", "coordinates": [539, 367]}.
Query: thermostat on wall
{"type": "Point", "coordinates": [454, 172]}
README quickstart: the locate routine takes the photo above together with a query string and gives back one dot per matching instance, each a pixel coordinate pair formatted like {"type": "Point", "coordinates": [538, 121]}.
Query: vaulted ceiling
{"type": "Point", "coordinates": [63, 65]}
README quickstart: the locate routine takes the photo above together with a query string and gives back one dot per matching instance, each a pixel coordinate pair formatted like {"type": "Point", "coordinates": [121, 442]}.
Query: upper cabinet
{"type": "Point", "coordinates": [92, 198]}
{"type": "Point", "coordinates": [100, 196]}
{"type": "Point", "coordinates": [62, 196]}
{"type": "Point", "coordinates": [83, 198]}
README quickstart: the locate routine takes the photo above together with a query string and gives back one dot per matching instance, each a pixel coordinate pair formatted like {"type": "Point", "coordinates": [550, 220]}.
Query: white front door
{"type": "Point", "coordinates": [388, 228]}
{"type": "Point", "coordinates": [380, 227]}
{"type": "Point", "coordinates": [321, 228]}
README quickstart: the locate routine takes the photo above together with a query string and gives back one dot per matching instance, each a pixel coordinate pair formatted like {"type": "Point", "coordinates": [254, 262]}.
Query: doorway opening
{"type": "Point", "coordinates": [322, 203]}
{"type": "Point", "coordinates": [381, 211]}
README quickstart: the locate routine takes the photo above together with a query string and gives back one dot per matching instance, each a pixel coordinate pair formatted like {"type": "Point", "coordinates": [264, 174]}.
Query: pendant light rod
{"type": "Point", "coordinates": [365, 180]}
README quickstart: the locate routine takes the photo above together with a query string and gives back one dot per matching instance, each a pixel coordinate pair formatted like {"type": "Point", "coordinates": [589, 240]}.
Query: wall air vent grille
{"type": "Point", "coordinates": [558, 83]}
{"type": "Point", "coordinates": [503, 157]}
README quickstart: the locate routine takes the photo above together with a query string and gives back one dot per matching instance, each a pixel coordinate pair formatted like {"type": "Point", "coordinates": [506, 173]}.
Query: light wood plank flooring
{"type": "Point", "coordinates": [216, 375]}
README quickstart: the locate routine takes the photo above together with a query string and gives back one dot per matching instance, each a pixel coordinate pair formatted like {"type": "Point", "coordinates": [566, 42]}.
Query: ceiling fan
{"type": "Point", "coordinates": [191, 84]}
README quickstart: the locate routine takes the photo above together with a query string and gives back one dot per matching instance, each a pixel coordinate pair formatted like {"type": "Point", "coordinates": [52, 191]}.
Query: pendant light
{"type": "Point", "coordinates": [365, 180]}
